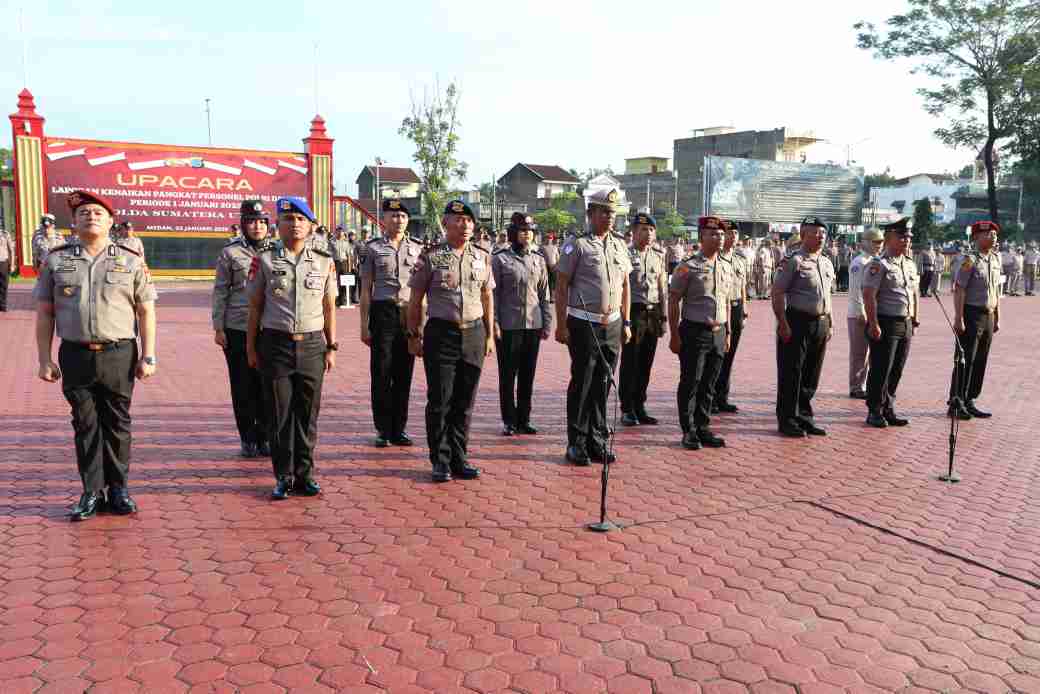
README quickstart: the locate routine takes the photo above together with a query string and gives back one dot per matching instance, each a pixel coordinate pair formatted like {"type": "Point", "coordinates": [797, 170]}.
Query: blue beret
{"type": "Point", "coordinates": [293, 204]}
{"type": "Point", "coordinates": [459, 207]}
{"type": "Point", "coordinates": [643, 218]}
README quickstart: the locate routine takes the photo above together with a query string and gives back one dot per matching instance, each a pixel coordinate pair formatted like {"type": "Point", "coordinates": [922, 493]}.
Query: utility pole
{"type": "Point", "coordinates": [378, 197]}
{"type": "Point", "coordinates": [209, 125]}
{"type": "Point", "coordinates": [494, 204]}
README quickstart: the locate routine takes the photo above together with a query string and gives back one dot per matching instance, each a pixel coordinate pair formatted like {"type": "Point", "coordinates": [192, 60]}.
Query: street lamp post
{"type": "Point", "coordinates": [378, 196]}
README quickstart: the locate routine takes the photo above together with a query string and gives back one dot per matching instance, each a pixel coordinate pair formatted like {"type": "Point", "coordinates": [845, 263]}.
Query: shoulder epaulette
{"type": "Point", "coordinates": [617, 235]}
{"type": "Point", "coordinates": [129, 250]}
{"type": "Point", "coordinates": [62, 247]}
{"type": "Point", "coordinates": [539, 251]}
{"type": "Point", "coordinates": [231, 241]}
{"type": "Point", "coordinates": [371, 241]}
{"type": "Point", "coordinates": [500, 250]}
{"type": "Point", "coordinates": [322, 250]}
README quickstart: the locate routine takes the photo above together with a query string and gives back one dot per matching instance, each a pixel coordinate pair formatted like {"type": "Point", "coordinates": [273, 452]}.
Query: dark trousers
{"type": "Point", "coordinates": [453, 358]}
{"type": "Point", "coordinates": [99, 386]}
{"type": "Point", "coordinates": [247, 392]}
{"type": "Point", "coordinates": [700, 360]}
{"type": "Point", "coordinates": [637, 359]}
{"type": "Point", "coordinates": [517, 354]}
{"type": "Point", "coordinates": [590, 385]}
{"type": "Point", "coordinates": [341, 270]}
{"type": "Point", "coordinates": [801, 362]}
{"type": "Point", "coordinates": [391, 368]}
{"type": "Point", "coordinates": [552, 284]}
{"type": "Point", "coordinates": [887, 359]}
{"type": "Point", "coordinates": [5, 278]}
{"type": "Point", "coordinates": [843, 278]}
{"type": "Point", "coordinates": [926, 281]}
{"type": "Point", "coordinates": [293, 373]}
{"type": "Point", "coordinates": [736, 329]}
{"type": "Point", "coordinates": [976, 341]}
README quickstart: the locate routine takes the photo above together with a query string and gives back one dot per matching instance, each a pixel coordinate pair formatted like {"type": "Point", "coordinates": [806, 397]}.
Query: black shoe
{"type": "Point", "coordinates": [877, 421]}
{"type": "Point", "coordinates": [382, 442]}
{"type": "Point", "coordinates": [894, 420]}
{"type": "Point", "coordinates": [976, 412]}
{"type": "Point", "coordinates": [710, 440]}
{"type": "Point", "coordinates": [577, 456]}
{"type": "Point", "coordinates": [690, 441]}
{"type": "Point", "coordinates": [714, 409]}
{"type": "Point", "coordinates": [465, 472]}
{"type": "Point", "coordinates": [857, 395]}
{"type": "Point", "coordinates": [247, 450]}
{"type": "Point", "coordinates": [263, 449]}
{"type": "Point", "coordinates": [508, 430]}
{"type": "Point", "coordinates": [629, 420]}
{"type": "Point", "coordinates": [306, 487]}
{"type": "Point", "coordinates": [958, 412]}
{"type": "Point", "coordinates": [119, 501]}
{"type": "Point", "coordinates": [811, 429]}
{"type": "Point", "coordinates": [791, 430]}
{"type": "Point", "coordinates": [602, 455]}
{"type": "Point", "coordinates": [441, 473]}
{"type": "Point", "coordinates": [88, 506]}
{"type": "Point", "coordinates": [282, 490]}
{"type": "Point", "coordinates": [402, 439]}
{"type": "Point", "coordinates": [526, 429]}
{"type": "Point", "coordinates": [644, 418]}
{"type": "Point", "coordinates": [726, 407]}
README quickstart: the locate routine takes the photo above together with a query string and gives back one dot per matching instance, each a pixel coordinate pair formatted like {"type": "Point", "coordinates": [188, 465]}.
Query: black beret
{"type": "Point", "coordinates": [813, 222]}
{"type": "Point", "coordinates": [395, 205]}
{"type": "Point", "coordinates": [252, 209]}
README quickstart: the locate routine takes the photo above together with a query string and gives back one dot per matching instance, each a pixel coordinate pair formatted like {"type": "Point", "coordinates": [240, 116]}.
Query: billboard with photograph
{"type": "Point", "coordinates": [758, 190]}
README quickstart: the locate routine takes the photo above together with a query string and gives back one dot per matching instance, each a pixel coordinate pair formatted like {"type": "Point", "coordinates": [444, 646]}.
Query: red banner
{"type": "Point", "coordinates": [165, 188]}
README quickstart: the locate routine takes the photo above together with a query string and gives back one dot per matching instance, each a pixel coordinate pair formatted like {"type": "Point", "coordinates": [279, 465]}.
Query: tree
{"type": "Point", "coordinates": [592, 173]}
{"type": "Point", "coordinates": [981, 51]}
{"type": "Point", "coordinates": [967, 172]}
{"type": "Point", "coordinates": [668, 224]}
{"type": "Point", "coordinates": [556, 218]}
{"type": "Point", "coordinates": [924, 224]}
{"type": "Point", "coordinates": [433, 127]}
{"type": "Point", "coordinates": [6, 165]}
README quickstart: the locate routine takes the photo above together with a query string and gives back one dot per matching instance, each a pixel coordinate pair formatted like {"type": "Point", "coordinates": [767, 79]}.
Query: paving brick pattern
{"type": "Point", "coordinates": [835, 564]}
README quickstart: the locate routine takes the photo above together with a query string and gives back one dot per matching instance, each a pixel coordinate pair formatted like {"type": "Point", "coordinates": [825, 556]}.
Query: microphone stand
{"type": "Point", "coordinates": [604, 525]}
{"type": "Point", "coordinates": [956, 401]}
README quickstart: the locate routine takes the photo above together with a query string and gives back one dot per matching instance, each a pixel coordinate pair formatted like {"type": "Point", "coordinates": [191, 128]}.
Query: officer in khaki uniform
{"type": "Point", "coordinates": [125, 236]}
{"type": "Point", "coordinates": [230, 308]}
{"type": "Point", "coordinates": [342, 256]}
{"type": "Point", "coordinates": [698, 309]}
{"type": "Point", "coordinates": [455, 279]}
{"type": "Point", "coordinates": [523, 318]}
{"type": "Point", "coordinates": [802, 306]}
{"type": "Point", "coordinates": [551, 251]}
{"type": "Point", "coordinates": [92, 291]}
{"type": "Point", "coordinates": [739, 311]}
{"type": "Point", "coordinates": [648, 283]}
{"type": "Point", "coordinates": [1030, 263]}
{"type": "Point", "coordinates": [7, 259]}
{"type": "Point", "coordinates": [592, 319]}
{"type": "Point", "coordinates": [976, 304]}
{"type": "Point", "coordinates": [387, 265]}
{"type": "Point", "coordinates": [292, 297]}
{"type": "Point", "coordinates": [45, 238]}
{"type": "Point", "coordinates": [890, 301]}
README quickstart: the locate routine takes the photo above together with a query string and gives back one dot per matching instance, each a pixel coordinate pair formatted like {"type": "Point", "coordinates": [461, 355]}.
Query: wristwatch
{"type": "Point", "coordinates": [150, 361]}
{"type": "Point", "coordinates": [628, 324]}
{"type": "Point", "coordinates": [332, 347]}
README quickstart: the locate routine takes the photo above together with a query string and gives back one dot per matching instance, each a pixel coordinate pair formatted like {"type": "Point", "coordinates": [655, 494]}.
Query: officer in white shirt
{"type": "Point", "coordinates": [859, 349]}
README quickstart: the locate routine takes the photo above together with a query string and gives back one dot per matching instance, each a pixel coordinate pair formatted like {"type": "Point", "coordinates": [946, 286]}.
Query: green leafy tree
{"type": "Point", "coordinates": [981, 52]}
{"type": "Point", "coordinates": [876, 180]}
{"type": "Point", "coordinates": [433, 127]}
{"type": "Point", "coordinates": [6, 165]}
{"type": "Point", "coordinates": [669, 222]}
{"type": "Point", "coordinates": [592, 173]}
{"type": "Point", "coordinates": [924, 222]}
{"type": "Point", "coordinates": [557, 218]}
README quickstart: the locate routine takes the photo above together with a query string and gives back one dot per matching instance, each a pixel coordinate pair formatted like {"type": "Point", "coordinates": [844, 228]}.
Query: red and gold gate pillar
{"type": "Point", "coordinates": [30, 182]}
{"type": "Point", "coordinates": [318, 148]}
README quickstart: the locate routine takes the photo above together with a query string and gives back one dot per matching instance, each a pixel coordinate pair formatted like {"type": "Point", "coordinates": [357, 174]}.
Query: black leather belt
{"type": "Point", "coordinates": [736, 302]}
{"type": "Point", "coordinates": [98, 346]}
{"type": "Point", "coordinates": [460, 324]}
{"type": "Point", "coordinates": [294, 337]}
{"type": "Point", "coordinates": [806, 315]}
{"type": "Point", "coordinates": [882, 317]}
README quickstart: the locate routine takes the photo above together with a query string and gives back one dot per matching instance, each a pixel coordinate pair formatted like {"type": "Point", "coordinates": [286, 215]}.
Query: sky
{"type": "Point", "coordinates": [579, 84]}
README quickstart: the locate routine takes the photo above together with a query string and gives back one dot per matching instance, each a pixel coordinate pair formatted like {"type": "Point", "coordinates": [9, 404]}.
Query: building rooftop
{"type": "Point", "coordinates": [392, 174]}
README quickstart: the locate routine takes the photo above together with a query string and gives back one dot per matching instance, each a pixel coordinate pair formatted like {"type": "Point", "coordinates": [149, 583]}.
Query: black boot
{"type": "Point", "coordinates": [283, 489]}
{"type": "Point", "coordinates": [709, 439]}
{"type": "Point", "coordinates": [119, 501]}
{"type": "Point", "coordinates": [877, 421]}
{"type": "Point", "coordinates": [976, 412]}
{"type": "Point", "coordinates": [88, 506]}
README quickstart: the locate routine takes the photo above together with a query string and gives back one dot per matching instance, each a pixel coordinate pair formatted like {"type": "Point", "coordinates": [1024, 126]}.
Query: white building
{"type": "Point", "coordinates": [898, 200]}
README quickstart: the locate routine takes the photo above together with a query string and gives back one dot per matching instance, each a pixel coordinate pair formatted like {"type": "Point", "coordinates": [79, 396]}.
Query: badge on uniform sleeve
{"type": "Point", "coordinates": [568, 248]}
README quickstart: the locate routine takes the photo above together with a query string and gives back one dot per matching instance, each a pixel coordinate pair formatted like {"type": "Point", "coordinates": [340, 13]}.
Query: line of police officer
{"type": "Point", "coordinates": [274, 317]}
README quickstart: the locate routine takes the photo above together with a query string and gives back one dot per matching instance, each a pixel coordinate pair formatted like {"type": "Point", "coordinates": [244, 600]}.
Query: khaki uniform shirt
{"type": "Point", "coordinates": [764, 260]}
{"type": "Point", "coordinates": [521, 290]}
{"type": "Point", "coordinates": [552, 255]}
{"type": "Point", "coordinates": [95, 299]}
{"type": "Point", "coordinates": [1032, 257]}
{"type": "Point", "coordinates": [341, 250]}
{"type": "Point", "coordinates": [230, 296]}
{"type": "Point", "coordinates": [806, 281]}
{"type": "Point", "coordinates": [132, 242]}
{"type": "Point", "coordinates": [390, 268]}
{"type": "Point", "coordinates": [6, 247]}
{"type": "Point", "coordinates": [648, 269]}
{"type": "Point", "coordinates": [979, 276]}
{"type": "Point", "coordinates": [895, 280]}
{"type": "Point", "coordinates": [739, 268]}
{"type": "Point", "coordinates": [43, 243]}
{"type": "Point", "coordinates": [597, 270]}
{"type": "Point", "coordinates": [294, 287]}
{"type": "Point", "coordinates": [453, 284]}
{"type": "Point", "coordinates": [704, 288]}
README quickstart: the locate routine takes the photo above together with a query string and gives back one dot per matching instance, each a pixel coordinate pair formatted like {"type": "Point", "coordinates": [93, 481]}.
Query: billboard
{"type": "Point", "coordinates": [165, 188]}
{"type": "Point", "coordinates": [759, 190]}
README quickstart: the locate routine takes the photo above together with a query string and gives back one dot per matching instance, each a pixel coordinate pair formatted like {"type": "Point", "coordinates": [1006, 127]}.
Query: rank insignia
{"type": "Point", "coordinates": [457, 207]}
{"type": "Point", "coordinates": [68, 291]}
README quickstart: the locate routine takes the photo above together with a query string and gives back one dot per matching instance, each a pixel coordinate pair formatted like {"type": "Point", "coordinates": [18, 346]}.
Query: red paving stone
{"type": "Point", "coordinates": [771, 566]}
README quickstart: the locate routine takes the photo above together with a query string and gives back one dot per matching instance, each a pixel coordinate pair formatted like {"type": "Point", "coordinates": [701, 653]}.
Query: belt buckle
{"type": "Point", "coordinates": [95, 346]}
{"type": "Point", "coordinates": [297, 337]}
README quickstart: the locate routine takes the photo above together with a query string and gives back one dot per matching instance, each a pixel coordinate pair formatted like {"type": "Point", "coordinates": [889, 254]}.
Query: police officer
{"type": "Point", "coordinates": [551, 251]}
{"type": "Point", "coordinates": [292, 298]}
{"type": "Point", "coordinates": [648, 283]}
{"type": "Point", "coordinates": [763, 269]}
{"type": "Point", "coordinates": [91, 291]}
{"type": "Point", "coordinates": [353, 260]}
{"type": "Point", "coordinates": [699, 296]}
{"type": "Point", "coordinates": [455, 279]}
{"type": "Point", "coordinates": [387, 265]}
{"type": "Point", "coordinates": [739, 311]}
{"type": "Point", "coordinates": [230, 308]}
{"type": "Point", "coordinates": [1029, 268]}
{"type": "Point", "coordinates": [890, 302]}
{"type": "Point", "coordinates": [802, 306]}
{"type": "Point", "coordinates": [127, 237]}
{"type": "Point", "coordinates": [592, 319]}
{"type": "Point", "coordinates": [46, 237]}
{"type": "Point", "coordinates": [856, 316]}
{"type": "Point", "coordinates": [342, 255]}
{"type": "Point", "coordinates": [976, 304]}
{"type": "Point", "coordinates": [523, 318]}
{"type": "Point", "coordinates": [7, 259]}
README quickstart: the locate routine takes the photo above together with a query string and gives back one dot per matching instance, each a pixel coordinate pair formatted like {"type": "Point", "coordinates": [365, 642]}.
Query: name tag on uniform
{"type": "Point", "coordinates": [280, 272]}
{"type": "Point", "coordinates": [65, 268]}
